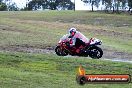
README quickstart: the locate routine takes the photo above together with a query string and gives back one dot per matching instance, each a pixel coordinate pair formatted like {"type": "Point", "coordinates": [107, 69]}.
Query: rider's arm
{"type": "Point", "coordinates": [73, 41]}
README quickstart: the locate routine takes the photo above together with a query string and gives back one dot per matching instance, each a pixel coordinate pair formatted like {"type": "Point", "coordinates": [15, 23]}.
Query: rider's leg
{"type": "Point", "coordinates": [79, 44]}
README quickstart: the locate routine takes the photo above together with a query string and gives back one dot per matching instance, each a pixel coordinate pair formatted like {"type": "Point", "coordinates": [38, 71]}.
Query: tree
{"type": "Point", "coordinates": [124, 4]}
{"type": "Point", "coordinates": [92, 2]}
{"type": "Point", "coordinates": [119, 3]}
{"type": "Point", "coordinates": [13, 7]}
{"type": "Point", "coordinates": [130, 4]}
{"type": "Point", "coordinates": [50, 4]}
{"type": "Point", "coordinates": [115, 4]}
{"type": "Point", "coordinates": [64, 4]}
{"type": "Point", "coordinates": [8, 5]}
{"type": "Point", "coordinates": [108, 4]}
{"type": "Point", "coordinates": [53, 4]}
{"type": "Point", "coordinates": [3, 6]}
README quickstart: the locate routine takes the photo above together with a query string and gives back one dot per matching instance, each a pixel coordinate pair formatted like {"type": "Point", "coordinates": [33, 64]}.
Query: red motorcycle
{"type": "Point", "coordinates": [90, 49]}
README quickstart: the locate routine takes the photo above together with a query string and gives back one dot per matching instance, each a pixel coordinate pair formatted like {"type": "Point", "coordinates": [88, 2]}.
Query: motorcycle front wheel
{"type": "Point", "coordinates": [60, 52]}
{"type": "Point", "coordinates": [95, 52]}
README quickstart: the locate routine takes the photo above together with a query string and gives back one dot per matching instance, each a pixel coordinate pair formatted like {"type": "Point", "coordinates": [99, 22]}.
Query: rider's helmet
{"type": "Point", "coordinates": [72, 31]}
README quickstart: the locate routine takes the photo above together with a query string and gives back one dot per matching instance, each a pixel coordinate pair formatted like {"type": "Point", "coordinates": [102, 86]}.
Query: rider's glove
{"type": "Point", "coordinates": [68, 44]}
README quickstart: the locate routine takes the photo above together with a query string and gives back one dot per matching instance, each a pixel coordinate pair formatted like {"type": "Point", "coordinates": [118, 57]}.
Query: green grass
{"type": "Point", "coordinates": [34, 71]}
{"type": "Point", "coordinates": [71, 16]}
{"type": "Point", "coordinates": [44, 28]}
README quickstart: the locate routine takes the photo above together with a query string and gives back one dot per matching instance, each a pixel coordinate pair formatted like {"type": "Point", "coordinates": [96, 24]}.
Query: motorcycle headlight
{"type": "Point", "coordinates": [59, 41]}
{"type": "Point", "coordinates": [98, 42]}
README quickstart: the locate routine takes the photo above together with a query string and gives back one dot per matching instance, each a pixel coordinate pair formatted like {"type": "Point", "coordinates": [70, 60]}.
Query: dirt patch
{"type": "Point", "coordinates": [108, 53]}
{"type": "Point", "coordinates": [13, 29]}
{"type": "Point", "coordinates": [113, 33]}
{"type": "Point", "coordinates": [26, 49]}
{"type": "Point", "coordinates": [114, 54]}
{"type": "Point", "coordinates": [80, 27]}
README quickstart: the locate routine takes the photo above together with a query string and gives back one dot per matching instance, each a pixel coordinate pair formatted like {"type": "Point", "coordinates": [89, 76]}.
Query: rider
{"type": "Point", "coordinates": [77, 39]}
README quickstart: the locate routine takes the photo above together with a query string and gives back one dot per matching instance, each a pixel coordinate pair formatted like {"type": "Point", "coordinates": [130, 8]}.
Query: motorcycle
{"type": "Point", "coordinates": [90, 49]}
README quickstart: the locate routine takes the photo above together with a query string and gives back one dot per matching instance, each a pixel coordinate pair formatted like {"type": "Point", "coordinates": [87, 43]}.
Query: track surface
{"type": "Point", "coordinates": [109, 54]}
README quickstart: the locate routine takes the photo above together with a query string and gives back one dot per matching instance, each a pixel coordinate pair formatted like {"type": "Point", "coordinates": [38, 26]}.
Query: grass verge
{"type": "Point", "coordinates": [36, 70]}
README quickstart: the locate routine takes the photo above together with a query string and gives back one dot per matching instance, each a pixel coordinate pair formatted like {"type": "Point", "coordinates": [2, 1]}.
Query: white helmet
{"type": "Point", "coordinates": [72, 31]}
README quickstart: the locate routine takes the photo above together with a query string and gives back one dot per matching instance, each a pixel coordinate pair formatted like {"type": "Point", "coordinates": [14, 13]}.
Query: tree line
{"type": "Point", "coordinates": [110, 5]}
{"type": "Point", "coordinates": [8, 5]}
{"type": "Point", "coordinates": [38, 4]}
{"type": "Point", "coordinates": [50, 4]}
